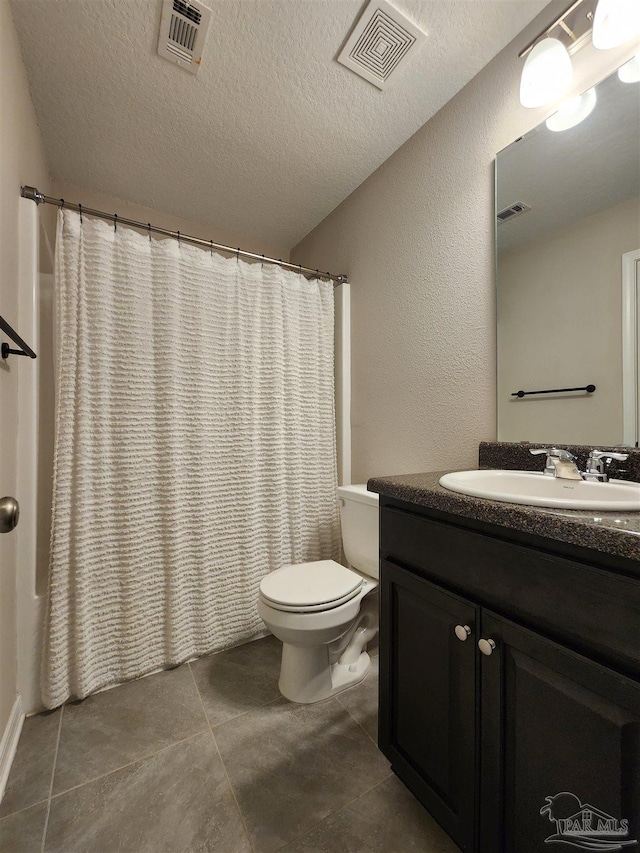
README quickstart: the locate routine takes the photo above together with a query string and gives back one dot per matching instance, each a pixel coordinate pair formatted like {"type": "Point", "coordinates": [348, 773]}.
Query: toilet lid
{"type": "Point", "coordinates": [311, 584]}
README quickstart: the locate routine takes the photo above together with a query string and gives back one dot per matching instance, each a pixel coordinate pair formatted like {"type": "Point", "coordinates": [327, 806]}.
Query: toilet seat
{"type": "Point", "coordinates": [310, 587]}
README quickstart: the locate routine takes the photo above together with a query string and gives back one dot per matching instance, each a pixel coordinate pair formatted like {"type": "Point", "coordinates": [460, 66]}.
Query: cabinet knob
{"type": "Point", "coordinates": [486, 646]}
{"type": "Point", "coordinates": [462, 632]}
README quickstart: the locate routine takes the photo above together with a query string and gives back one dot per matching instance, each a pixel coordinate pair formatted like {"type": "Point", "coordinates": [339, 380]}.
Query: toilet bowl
{"type": "Point", "coordinates": [325, 613]}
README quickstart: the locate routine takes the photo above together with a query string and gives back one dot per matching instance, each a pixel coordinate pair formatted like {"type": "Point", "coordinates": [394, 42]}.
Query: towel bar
{"type": "Point", "coordinates": [6, 350]}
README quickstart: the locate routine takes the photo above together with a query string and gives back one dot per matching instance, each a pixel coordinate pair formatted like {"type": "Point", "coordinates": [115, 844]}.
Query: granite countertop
{"type": "Point", "coordinates": [615, 533]}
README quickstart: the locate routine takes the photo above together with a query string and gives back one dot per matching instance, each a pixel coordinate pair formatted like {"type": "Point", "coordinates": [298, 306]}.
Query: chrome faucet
{"type": "Point", "coordinates": [598, 462]}
{"type": "Point", "coordinates": [560, 463]}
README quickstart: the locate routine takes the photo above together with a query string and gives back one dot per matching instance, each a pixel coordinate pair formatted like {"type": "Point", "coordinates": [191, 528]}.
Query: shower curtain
{"type": "Point", "coordinates": [194, 450]}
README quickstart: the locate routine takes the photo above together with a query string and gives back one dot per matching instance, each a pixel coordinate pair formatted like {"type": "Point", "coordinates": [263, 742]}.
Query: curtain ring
{"type": "Point", "coordinates": [262, 263]}
{"type": "Point", "coordinates": [238, 254]}
{"type": "Point", "coordinates": [62, 204]}
{"type": "Point", "coordinates": [80, 210]}
{"type": "Point", "coordinates": [149, 230]}
{"type": "Point", "coordinates": [115, 222]}
{"type": "Point", "coordinates": [178, 238]}
{"type": "Point", "coordinates": [317, 274]}
{"type": "Point", "coordinates": [211, 241]}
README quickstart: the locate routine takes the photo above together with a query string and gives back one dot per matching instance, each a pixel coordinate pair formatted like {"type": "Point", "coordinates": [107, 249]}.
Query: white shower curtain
{"type": "Point", "coordinates": [195, 450]}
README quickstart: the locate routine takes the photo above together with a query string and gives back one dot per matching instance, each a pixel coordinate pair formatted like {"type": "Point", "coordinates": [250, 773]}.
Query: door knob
{"type": "Point", "coordinates": [486, 646]}
{"type": "Point", "coordinates": [462, 632]}
{"type": "Point", "coordinates": [9, 514]}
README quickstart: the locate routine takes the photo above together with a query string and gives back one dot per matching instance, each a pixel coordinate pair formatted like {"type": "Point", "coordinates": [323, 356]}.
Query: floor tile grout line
{"type": "Point", "coordinates": [374, 741]}
{"type": "Point", "coordinates": [207, 727]}
{"type": "Point", "coordinates": [355, 720]}
{"type": "Point", "coordinates": [242, 714]}
{"type": "Point", "coordinates": [346, 805]}
{"type": "Point", "coordinates": [24, 808]}
{"type": "Point", "coordinates": [224, 766]}
{"type": "Point", "coordinates": [337, 811]}
{"type": "Point", "coordinates": [53, 773]}
{"type": "Point", "coordinates": [145, 757]}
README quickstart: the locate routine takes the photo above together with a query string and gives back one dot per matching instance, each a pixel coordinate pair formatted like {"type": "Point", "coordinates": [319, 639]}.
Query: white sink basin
{"type": "Point", "coordinates": [536, 489]}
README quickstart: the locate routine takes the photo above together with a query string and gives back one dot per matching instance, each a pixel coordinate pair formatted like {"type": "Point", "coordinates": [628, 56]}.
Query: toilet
{"type": "Point", "coordinates": [325, 613]}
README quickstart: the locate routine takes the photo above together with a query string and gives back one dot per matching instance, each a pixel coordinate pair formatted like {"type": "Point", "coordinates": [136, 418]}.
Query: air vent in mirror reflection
{"type": "Point", "coordinates": [515, 210]}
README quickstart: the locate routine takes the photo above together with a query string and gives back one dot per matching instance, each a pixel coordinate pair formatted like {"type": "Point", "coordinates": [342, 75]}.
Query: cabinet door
{"type": "Point", "coordinates": [560, 746]}
{"type": "Point", "coordinates": [428, 697]}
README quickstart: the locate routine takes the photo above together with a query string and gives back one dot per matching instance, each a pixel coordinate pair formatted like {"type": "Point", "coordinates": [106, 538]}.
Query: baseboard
{"type": "Point", "coordinates": [9, 742]}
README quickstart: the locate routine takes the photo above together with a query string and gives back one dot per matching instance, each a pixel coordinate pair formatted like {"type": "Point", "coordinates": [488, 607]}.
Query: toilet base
{"type": "Point", "coordinates": [306, 676]}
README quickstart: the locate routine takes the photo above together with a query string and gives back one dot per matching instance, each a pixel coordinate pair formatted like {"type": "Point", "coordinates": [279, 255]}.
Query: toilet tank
{"type": "Point", "coordinates": [359, 519]}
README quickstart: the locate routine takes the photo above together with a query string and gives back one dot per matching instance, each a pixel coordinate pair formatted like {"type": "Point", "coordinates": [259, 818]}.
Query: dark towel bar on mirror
{"type": "Point", "coordinates": [6, 350]}
{"type": "Point", "coordinates": [589, 388]}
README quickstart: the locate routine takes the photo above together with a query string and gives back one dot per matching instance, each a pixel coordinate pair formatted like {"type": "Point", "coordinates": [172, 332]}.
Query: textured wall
{"type": "Point", "coordinates": [21, 161]}
{"type": "Point", "coordinates": [417, 241]}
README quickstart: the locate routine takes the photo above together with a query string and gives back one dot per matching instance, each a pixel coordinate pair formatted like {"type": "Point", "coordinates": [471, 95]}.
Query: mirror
{"type": "Point", "coordinates": [568, 275]}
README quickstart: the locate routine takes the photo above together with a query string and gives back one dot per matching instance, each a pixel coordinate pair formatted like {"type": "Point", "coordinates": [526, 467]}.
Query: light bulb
{"type": "Point", "coordinates": [630, 71]}
{"type": "Point", "coordinates": [615, 22]}
{"type": "Point", "coordinates": [546, 74]}
{"type": "Point", "coordinates": [572, 112]}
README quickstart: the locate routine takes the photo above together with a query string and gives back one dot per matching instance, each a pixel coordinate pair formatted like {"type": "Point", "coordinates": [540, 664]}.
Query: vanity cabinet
{"type": "Point", "coordinates": [428, 702]}
{"type": "Point", "coordinates": [485, 741]}
{"type": "Point", "coordinates": [552, 721]}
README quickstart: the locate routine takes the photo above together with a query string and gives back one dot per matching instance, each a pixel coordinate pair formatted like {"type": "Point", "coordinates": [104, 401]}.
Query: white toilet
{"type": "Point", "coordinates": [324, 613]}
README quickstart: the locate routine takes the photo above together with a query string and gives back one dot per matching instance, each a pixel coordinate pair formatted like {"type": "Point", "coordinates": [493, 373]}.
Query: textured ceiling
{"type": "Point", "coordinates": [572, 174]}
{"type": "Point", "coordinates": [272, 134]}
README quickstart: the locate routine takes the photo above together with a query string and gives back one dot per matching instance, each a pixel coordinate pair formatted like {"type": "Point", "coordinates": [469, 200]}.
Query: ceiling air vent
{"type": "Point", "coordinates": [183, 30]}
{"type": "Point", "coordinates": [515, 210]}
{"type": "Point", "coordinates": [380, 43]}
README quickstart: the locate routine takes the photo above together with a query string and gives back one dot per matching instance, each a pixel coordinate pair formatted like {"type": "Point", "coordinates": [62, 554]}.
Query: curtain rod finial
{"type": "Point", "coordinates": [33, 194]}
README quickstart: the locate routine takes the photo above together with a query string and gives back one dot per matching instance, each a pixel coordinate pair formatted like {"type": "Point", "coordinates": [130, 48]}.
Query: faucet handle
{"type": "Point", "coordinates": [608, 455]}
{"type": "Point", "coordinates": [553, 452]}
{"type": "Point", "coordinates": [598, 461]}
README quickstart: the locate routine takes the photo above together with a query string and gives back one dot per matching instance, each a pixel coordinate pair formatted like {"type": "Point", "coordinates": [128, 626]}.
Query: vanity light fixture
{"type": "Point", "coordinates": [546, 74]}
{"type": "Point", "coordinates": [615, 22]}
{"type": "Point", "coordinates": [547, 71]}
{"type": "Point", "coordinates": [630, 71]}
{"type": "Point", "coordinates": [573, 111]}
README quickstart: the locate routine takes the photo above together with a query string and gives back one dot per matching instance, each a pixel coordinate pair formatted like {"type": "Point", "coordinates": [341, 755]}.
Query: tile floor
{"type": "Point", "coordinates": [210, 757]}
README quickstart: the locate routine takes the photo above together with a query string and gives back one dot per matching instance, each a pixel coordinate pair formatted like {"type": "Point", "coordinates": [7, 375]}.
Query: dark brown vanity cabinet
{"type": "Point", "coordinates": [428, 697]}
{"type": "Point", "coordinates": [552, 722]}
{"type": "Point", "coordinates": [530, 740]}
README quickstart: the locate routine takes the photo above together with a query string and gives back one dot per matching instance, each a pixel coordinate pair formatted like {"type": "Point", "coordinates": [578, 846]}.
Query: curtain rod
{"type": "Point", "coordinates": [39, 198]}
